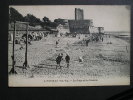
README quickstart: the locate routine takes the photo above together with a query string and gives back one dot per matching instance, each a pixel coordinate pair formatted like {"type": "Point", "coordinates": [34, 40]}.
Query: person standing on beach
{"type": "Point", "coordinates": [102, 39]}
{"type": "Point", "coordinates": [87, 41]}
{"type": "Point", "coordinates": [58, 60]}
{"type": "Point", "coordinates": [67, 58]}
{"type": "Point", "coordinates": [21, 44]}
{"type": "Point", "coordinates": [56, 43]}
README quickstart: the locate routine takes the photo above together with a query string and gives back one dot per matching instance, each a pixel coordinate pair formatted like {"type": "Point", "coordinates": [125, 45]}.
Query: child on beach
{"type": "Point", "coordinates": [56, 43]}
{"type": "Point", "coordinates": [67, 58]}
{"type": "Point", "coordinates": [58, 60]}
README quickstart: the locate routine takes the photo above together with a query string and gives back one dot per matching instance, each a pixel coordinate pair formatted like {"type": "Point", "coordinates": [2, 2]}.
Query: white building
{"type": "Point", "coordinates": [62, 30]}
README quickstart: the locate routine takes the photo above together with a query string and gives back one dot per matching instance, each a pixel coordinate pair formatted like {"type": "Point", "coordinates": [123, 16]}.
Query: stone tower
{"type": "Point", "coordinates": [79, 14]}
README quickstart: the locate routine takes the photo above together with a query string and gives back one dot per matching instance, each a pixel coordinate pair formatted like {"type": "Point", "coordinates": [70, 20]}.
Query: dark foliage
{"type": "Point", "coordinates": [47, 23]}
{"type": "Point", "coordinates": [14, 15]}
{"type": "Point", "coordinates": [33, 21]}
{"type": "Point", "coordinates": [59, 21]}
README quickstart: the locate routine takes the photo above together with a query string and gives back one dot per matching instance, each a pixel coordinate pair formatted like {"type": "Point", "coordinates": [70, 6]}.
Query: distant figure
{"type": "Point", "coordinates": [58, 60]}
{"type": "Point", "coordinates": [87, 41]}
{"type": "Point", "coordinates": [67, 58]}
{"type": "Point", "coordinates": [126, 48]}
{"type": "Point", "coordinates": [25, 65]}
{"type": "Point", "coordinates": [96, 38]}
{"type": "Point", "coordinates": [14, 62]}
{"type": "Point", "coordinates": [56, 43]}
{"type": "Point", "coordinates": [102, 39]}
{"type": "Point", "coordinates": [29, 41]}
{"type": "Point", "coordinates": [16, 41]}
{"type": "Point", "coordinates": [80, 59]}
{"type": "Point", "coordinates": [21, 44]}
{"type": "Point", "coordinates": [61, 54]}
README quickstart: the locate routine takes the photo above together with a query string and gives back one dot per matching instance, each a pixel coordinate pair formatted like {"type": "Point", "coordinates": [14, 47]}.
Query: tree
{"type": "Point", "coordinates": [14, 15]}
{"type": "Point", "coordinates": [59, 21]}
{"type": "Point", "coordinates": [46, 22]}
{"type": "Point", "coordinates": [33, 21]}
{"type": "Point", "coordinates": [46, 19]}
{"type": "Point", "coordinates": [53, 24]}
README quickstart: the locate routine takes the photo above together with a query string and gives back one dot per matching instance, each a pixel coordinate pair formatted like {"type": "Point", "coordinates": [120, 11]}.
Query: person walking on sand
{"type": "Point", "coordinates": [58, 60]}
{"type": "Point", "coordinates": [102, 39]}
{"type": "Point", "coordinates": [56, 43]}
{"type": "Point", "coordinates": [87, 42]}
{"type": "Point", "coordinates": [67, 58]}
{"type": "Point", "coordinates": [21, 44]}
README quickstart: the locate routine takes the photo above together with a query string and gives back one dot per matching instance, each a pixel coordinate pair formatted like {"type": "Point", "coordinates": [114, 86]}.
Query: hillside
{"type": "Point", "coordinates": [20, 27]}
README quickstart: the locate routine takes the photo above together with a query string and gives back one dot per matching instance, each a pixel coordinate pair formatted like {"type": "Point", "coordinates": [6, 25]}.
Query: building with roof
{"type": "Point", "coordinates": [79, 25]}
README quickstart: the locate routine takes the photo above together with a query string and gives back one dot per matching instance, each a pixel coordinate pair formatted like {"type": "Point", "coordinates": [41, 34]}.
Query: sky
{"type": "Point", "coordinates": [111, 17]}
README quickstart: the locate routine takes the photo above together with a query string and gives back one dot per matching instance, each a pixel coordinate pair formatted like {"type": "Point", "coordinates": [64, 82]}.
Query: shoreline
{"type": "Point", "coordinates": [127, 39]}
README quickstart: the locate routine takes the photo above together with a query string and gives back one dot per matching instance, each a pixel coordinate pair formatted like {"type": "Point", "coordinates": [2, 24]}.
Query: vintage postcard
{"type": "Point", "coordinates": [68, 45]}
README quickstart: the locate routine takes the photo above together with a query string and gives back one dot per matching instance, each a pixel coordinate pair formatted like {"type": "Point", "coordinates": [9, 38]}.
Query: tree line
{"type": "Point", "coordinates": [14, 15]}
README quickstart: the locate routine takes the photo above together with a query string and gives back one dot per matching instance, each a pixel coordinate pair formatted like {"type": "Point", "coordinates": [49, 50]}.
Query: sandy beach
{"type": "Point", "coordinates": [101, 60]}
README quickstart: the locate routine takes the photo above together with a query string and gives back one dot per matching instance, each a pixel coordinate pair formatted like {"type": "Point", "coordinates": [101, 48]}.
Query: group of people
{"type": "Point", "coordinates": [60, 58]}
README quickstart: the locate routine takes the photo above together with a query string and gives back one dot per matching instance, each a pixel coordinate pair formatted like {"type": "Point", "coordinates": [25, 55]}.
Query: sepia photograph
{"type": "Point", "coordinates": [69, 45]}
